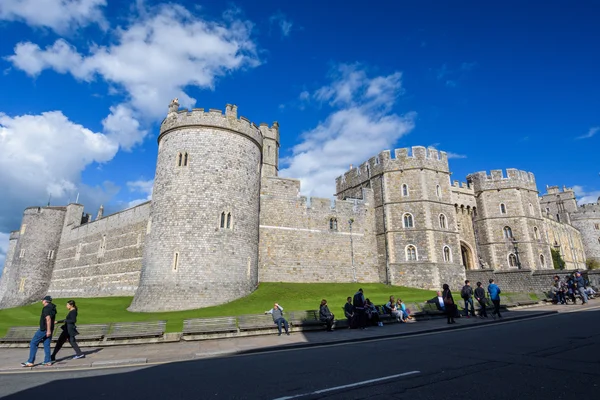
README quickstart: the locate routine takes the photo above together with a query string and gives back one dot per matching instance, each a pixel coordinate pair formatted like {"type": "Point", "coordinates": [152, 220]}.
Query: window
{"type": "Point", "coordinates": [50, 254]}
{"type": "Point", "coordinates": [438, 191]}
{"type": "Point", "coordinates": [185, 159]}
{"type": "Point", "coordinates": [22, 285]}
{"type": "Point", "coordinates": [333, 224]}
{"type": "Point", "coordinates": [175, 261]}
{"type": "Point", "coordinates": [508, 232]}
{"type": "Point", "coordinates": [408, 221]}
{"type": "Point", "coordinates": [223, 220]}
{"type": "Point", "coordinates": [536, 232]}
{"type": "Point", "coordinates": [22, 254]}
{"type": "Point", "coordinates": [23, 227]}
{"type": "Point", "coordinates": [502, 208]}
{"type": "Point", "coordinates": [228, 220]}
{"type": "Point", "coordinates": [512, 260]}
{"type": "Point", "coordinates": [447, 254]}
{"type": "Point", "coordinates": [182, 159]}
{"type": "Point", "coordinates": [597, 227]}
{"type": "Point", "coordinates": [149, 227]}
{"type": "Point", "coordinates": [138, 242]}
{"type": "Point", "coordinates": [376, 160]}
{"type": "Point", "coordinates": [443, 224]}
{"type": "Point", "coordinates": [531, 209]}
{"type": "Point", "coordinates": [547, 210]}
{"type": "Point", "coordinates": [405, 190]}
{"type": "Point", "coordinates": [411, 253]}
{"type": "Point", "coordinates": [542, 260]}
{"type": "Point", "coordinates": [179, 159]}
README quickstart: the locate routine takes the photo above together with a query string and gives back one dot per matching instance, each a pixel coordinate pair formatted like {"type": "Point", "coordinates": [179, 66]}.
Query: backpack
{"type": "Point", "coordinates": [465, 292]}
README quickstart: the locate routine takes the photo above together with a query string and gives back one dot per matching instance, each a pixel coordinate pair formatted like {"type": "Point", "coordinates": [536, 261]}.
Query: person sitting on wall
{"type": "Point", "coordinates": [349, 311]}
{"type": "Point", "coordinates": [372, 313]}
{"type": "Point", "coordinates": [326, 316]}
{"type": "Point", "coordinates": [438, 301]}
{"type": "Point", "coordinates": [392, 309]}
{"type": "Point", "coordinates": [558, 292]}
{"type": "Point", "coordinates": [404, 312]}
{"type": "Point", "coordinates": [277, 314]}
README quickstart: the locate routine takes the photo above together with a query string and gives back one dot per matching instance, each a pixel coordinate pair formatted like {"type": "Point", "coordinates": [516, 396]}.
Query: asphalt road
{"type": "Point", "coordinates": [556, 357]}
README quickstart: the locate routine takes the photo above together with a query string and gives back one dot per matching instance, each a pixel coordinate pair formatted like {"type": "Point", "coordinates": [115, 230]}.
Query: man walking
{"type": "Point", "coordinates": [467, 294]}
{"type": "Point", "coordinates": [277, 314]}
{"type": "Point", "coordinates": [579, 283]}
{"type": "Point", "coordinates": [494, 292]}
{"type": "Point", "coordinates": [44, 334]}
{"type": "Point", "coordinates": [480, 297]}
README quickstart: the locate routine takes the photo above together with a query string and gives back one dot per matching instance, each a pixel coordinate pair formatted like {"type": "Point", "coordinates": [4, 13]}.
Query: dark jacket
{"type": "Point", "coordinates": [324, 313]}
{"type": "Point", "coordinates": [480, 293]}
{"type": "Point", "coordinates": [466, 290]}
{"type": "Point", "coordinates": [69, 323]}
{"type": "Point", "coordinates": [48, 311]}
{"type": "Point", "coordinates": [348, 310]}
{"type": "Point", "coordinates": [448, 299]}
{"type": "Point", "coordinates": [436, 301]}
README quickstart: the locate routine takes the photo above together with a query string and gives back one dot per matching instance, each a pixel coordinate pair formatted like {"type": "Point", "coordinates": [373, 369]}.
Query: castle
{"type": "Point", "coordinates": [221, 221]}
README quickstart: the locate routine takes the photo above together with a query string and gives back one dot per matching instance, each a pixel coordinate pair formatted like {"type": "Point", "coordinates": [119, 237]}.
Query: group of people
{"type": "Point", "coordinates": [570, 288]}
{"type": "Point", "coordinates": [361, 312]}
{"type": "Point", "coordinates": [444, 300]}
{"type": "Point", "coordinates": [44, 334]}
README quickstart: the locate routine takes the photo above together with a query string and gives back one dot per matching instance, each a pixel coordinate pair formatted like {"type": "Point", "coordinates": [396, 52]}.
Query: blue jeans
{"type": "Point", "coordinates": [39, 337]}
{"type": "Point", "coordinates": [583, 294]}
{"type": "Point", "coordinates": [282, 321]}
{"type": "Point", "coordinates": [467, 302]}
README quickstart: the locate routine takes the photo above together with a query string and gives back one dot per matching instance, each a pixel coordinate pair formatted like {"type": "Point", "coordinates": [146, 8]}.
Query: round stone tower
{"type": "Point", "coordinates": [202, 237]}
{"type": "Point", "coordinates": [509, 222]}
{"type": "Point", "coordinates": [33, 251]}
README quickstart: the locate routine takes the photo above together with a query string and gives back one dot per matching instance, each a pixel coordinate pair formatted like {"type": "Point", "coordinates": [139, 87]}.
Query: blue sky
{"type": "Point", "coordinates": [85, 84]}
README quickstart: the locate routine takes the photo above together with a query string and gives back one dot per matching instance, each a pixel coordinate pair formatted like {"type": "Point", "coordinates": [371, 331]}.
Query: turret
{"type": "Point", "coordinates": [100, 213]}
{"type": "Point", "coordinates": [270, 149]}
{"type": "Point", "coordinates": [202, 240]}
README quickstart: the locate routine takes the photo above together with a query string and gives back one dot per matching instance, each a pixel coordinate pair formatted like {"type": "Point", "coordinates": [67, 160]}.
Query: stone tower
{"type": "Point", "coordinates": [202, 238]}
{"type": "Point", "coordinates": [416, 225]}
{"type": "Point", "coordinates": [270, 135]}
{"type": "Point", "coordinates": [509, 221]}
{"type": "Point", "coordinates": [558, 204]}
{"type": "Point", "coordinates": [587, 221]}
{"type": "Point", "coordinates": [33, 251]}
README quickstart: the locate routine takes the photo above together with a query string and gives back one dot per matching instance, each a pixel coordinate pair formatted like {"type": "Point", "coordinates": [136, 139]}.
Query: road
{"type": "Point", "coordinates": [556, 357]}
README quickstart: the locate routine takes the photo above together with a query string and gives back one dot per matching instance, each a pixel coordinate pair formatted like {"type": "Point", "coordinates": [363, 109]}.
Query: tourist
{"type": "Point", "coordinates": [392, 309]}
{"type": "Point", "coordinates": [494, 292]}
{"type": "Point", "coordinates": [570, 282]}
{"type": "Point", "coordinates": [579, 284]}
{"type": "Point", "coordinates": [277, 314]}
{"type": "Point", "coordinates": [69, 331]}
{"type": "Point", "coordinates": [44, 334]}
{"type": "Point", "coordinates": [438, 301]}
{"type": "Point", "coordinates": [558, 291]}
{"type": "Point", "coordinates": [449, 303]}
{"type": "Point", "coordinates": [349, 311]}
{"type": "Point", "coordinates": [325, 315]}
{"type": "Point", "coordinates": [359, 309]}
{"type": "Point", "coordinates": [404, 312]}
{"type": "Point", "coordinates": [467, 294]}
{"type": "Point", "coordinates": [480, 297]}
{"type": "Point", "coordinates": [372, 313]}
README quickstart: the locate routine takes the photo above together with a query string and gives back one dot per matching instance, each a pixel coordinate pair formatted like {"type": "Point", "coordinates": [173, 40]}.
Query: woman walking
{"type": "Point", "coordinates": [69, 331]}
{"type": "Point", "coordinates": [449, 303]}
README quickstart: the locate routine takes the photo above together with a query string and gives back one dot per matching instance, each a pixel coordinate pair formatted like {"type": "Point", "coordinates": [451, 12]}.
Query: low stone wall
{"type": "Point", "coordinates": [524, 280]}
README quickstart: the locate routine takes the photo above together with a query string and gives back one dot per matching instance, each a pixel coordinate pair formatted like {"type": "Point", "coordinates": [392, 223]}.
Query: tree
{"type": "Point", "coordinates": [557, 259]}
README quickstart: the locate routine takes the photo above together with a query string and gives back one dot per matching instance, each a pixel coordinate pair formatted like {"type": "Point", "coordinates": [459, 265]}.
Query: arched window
{"type": "Point", "coordinates": [438, 191]}
{"type": "Point", "coordinates": [502, 208]}
{"type": "Point", "coordinates": [542, 260]}
{"type": "Point", "coordinates": [508, 232]}
{"type": "Point", "coordinates": [443, 224]}
{"type": "Point", "coordinates": [512, 260]}
{"type": "Point", "coordinates": [228, 220]}
{"type": "Point", "coordinates": [536, 232]}
{"type": "Point", "coordinates": [405, 190]}
{"type": "Point", "coordinates": [185, 159]}
{"type": "Point", "coordinates": [411, 253]}
{"type": "Point", "coordinates": [408, 221]}
{"type": "Point", "coordinates": [179, 159]}
{"type": "Point", "coordinates": [333, 224]}
{"type": "Point", "coordinates": [223, 220]}
{"type": "Point", "coordinates": [447, 254]}
{"type": "Point", "coordinates": [531, 209]}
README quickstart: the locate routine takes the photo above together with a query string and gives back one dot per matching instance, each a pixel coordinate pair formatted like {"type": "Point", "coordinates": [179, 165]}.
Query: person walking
{"type": "Point", "coordinates": [494, 292]}
{"type": "Point", "coordinates": [325, 315]}
{"type": "Point", "coordinates": [69, 331]}
{"type": "Point", "coordinates": [480, 297]}
{"type": "Point", "coordinates": [277, 314]}
{"type": "Point", "coordinates": [449, 303]}
{"type": "Point", "coordinates": [467, 294]}
{"type": "Point", "coordinates": [44, 334]}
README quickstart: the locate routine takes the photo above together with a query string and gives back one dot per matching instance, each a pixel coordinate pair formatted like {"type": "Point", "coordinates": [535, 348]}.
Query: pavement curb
{"type": "Point", "coordinates": [125, 361]}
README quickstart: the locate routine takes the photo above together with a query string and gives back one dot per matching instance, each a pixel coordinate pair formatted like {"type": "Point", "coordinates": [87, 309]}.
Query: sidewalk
{"type": "Point", "coordinates": [131, 355]}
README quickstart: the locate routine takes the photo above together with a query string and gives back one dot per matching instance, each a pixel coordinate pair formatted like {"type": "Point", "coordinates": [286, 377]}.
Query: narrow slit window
{"type": "Point", "coordinates": [223, 220]}
{"type": "Point", "coordinates": [175, 261]}
{"type": "Point", "coordinates": [502, 208]}
{"type": "Point", "coordinates": [447, 254]}
{"type": "Point", "coordinates": [179, 159]}
{"type": "Point", "coordinates": [405, 190]}
{"type": "Point", "coordinates": [228, 220]}
{"type": "Point", "coordinates": [333, 224]}
{"type": "Point", "coordinates": [22, 254]}
{"type": "Point", "coordinates": [185, 159]}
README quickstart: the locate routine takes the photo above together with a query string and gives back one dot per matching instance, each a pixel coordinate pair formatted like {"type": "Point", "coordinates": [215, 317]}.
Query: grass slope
{"type": "Point", "coordinates": [291, 296]}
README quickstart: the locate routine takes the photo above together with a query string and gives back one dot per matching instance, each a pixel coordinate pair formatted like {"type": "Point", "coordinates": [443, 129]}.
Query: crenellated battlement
{"type": "Point", "coordinates": [213, 118]}
{"type": "Point", "coordinates": [498, 179]}
{"type": "Point", "coordinates": [589, 208]}
{"type": "Point", "coordinates": [270, 132]}
{"type": "Point", "coordinates": [416, 157]}
{"type": "Point", "coordinates": [556, 190]}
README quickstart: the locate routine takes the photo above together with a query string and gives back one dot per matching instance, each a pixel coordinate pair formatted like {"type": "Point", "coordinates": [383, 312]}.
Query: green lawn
{"type": "Point", "coordinates": [291, 296]}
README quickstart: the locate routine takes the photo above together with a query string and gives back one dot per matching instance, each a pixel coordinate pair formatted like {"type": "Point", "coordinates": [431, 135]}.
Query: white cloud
{"type": "Point", "coordinates": [61, 16]}
{"type": "Point", "coordinates": [122, 127]}
{"type": "Point", "coordinates": [359, 126]}
{"type": "Point", "coordinates": [455, 155]}
{"type": "Point", "coordinates": [140, 186]}
{"type": "Point", "coordinates": [591, 133]}
{"type": "Point", "coordinates": [284, 24]}
{"type": "Point", "coordinates": [584, 196]}
{"type": "Point", "coordinates": [3, 249]}
{"type": "Point", "coordinates": [154, 58]}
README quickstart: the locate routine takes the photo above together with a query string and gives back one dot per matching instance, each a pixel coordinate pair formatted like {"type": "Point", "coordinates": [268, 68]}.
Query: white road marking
{"type": "Point", "coordinates": [385, 378]}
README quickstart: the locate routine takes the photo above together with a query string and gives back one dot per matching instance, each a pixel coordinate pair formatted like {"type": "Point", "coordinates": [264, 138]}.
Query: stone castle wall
{"type": "Point", "coordinates": [6, 272]}
{"type": "Point", "coordinates": [298, 244]}
{"type": "Point", "coordinates": [463, 198]}
{"type": "Point", "coordinates": [587, 221]}
{"type": "Point", "coordinates": [569, 243]}
{"type": "Point", "coordinates": [516, 281]}
{"type": "Point", "coordinates": [103, 257]}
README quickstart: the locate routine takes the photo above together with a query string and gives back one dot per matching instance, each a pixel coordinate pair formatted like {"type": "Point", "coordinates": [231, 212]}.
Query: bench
{"type": "Point", "coordinates": [209, 325]}
{"type": "Point", "coordinates": [415, 309]}
{"type": "Point", "coordinates": [135, 330]}
{"type": "Point", "coordinates": [304, 318]}
{"type": "Point", "coordinates": [89, 331]}
{"type": "Point", "coordinates": [250, 322]}
{"type": "Point", "coordinates": [19, 334]}
{"type": "Point", "coordinates": [431, 309]}
{"type": "Point", "coordinates": [523, 299]}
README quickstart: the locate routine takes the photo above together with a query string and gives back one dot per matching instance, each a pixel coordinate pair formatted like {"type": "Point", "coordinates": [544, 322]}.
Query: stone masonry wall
{"type": "Point", "coordinates": [102, 258]}
{"type": "Point", "coordinates": [524, 280]}
{"type": "Point", "coordinates": [587, 221]}
{"type": "Point", "coordinates": [297, 244]}
{"type": "Point", "coordinates": [465, 205]}
{"type": "Point", "coordinates": [6, 271]}
{"type": "Point", "coordinates": [569, 241]}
